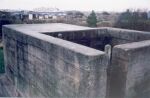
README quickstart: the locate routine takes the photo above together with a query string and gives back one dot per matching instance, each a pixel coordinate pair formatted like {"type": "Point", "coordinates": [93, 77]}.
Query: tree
{"type": "Point", "coordinates": [135, 20]}
{"type": "Point", "coordinates": [5, 18]}
{"type": "Point", "coordinates": [92, 20]}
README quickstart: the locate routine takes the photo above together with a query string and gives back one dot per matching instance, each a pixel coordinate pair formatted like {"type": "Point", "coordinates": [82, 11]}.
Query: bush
{"type": "Point", "coordinates": [135, 20]}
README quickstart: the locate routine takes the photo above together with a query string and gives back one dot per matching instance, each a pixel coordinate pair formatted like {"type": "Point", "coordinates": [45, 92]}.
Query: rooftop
{"type": "Point", "coordinates": [53, 27]}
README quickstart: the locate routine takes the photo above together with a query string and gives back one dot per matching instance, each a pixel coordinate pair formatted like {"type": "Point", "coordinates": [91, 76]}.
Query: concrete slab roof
{"type": "Point", "coordinates": [49, 27]}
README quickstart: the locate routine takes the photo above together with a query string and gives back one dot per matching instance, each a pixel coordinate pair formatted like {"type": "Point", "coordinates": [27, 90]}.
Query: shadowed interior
{"type": "Point", "coordinates": [84, 38]}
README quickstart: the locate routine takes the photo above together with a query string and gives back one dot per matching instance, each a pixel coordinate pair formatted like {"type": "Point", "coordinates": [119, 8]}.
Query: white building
{"type": "Point", "coordinates": [30, 16]}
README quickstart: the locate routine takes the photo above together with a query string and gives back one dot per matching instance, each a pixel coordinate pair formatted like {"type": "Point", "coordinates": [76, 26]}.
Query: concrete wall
{"type": "Point", "coordinates": [121, 77]}
{"type": "Point", "coordinates": [43, 66]}
{"type": "Point", "coordinates": [129, 75]}
{"type": "Point", "coordinates": [122, 36]}
{"type": "Point", "coordinates": [38, 65]}
{"type": "Point", "coordinates": [96, 38]}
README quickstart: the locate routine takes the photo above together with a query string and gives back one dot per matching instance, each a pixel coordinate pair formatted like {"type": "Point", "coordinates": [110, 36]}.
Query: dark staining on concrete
{"type": "Point", "coordinates": [61, 60]}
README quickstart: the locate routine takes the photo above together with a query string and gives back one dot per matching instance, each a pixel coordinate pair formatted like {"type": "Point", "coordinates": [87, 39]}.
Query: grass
{"type": "Point", "coordinates": [2, 68]}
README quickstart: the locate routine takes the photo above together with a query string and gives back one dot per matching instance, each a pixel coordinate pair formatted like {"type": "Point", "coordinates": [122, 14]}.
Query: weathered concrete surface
{"type": "Point", "coordinates": [7, 88]}
{"type": "Point", "coordinates": [91, 37]}
{"type": "Point", "coordinates": [43, 66]}
{"type": "Point", "coordinates": [53, 27]}
{"type": "Point", "coordinates": [129, 74]}
{"type": "Point", "coordinates": [58, 60]}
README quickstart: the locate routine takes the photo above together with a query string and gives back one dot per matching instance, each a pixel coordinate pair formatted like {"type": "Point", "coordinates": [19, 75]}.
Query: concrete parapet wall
{"type": "Point", "coordinates": [129, 71]}
{"type": "Point", "coordinates": [67, 62]}
{"type": "Point", "coordinates": [48, 68]}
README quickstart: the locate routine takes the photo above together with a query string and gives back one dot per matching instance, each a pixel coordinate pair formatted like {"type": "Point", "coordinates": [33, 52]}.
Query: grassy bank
{"type": "Point", "coordinates": [1, 61]}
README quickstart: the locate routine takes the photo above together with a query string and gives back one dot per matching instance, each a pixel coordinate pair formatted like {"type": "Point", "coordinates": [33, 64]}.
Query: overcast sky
{"type": "Point", "coordinates": [83, 5]}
